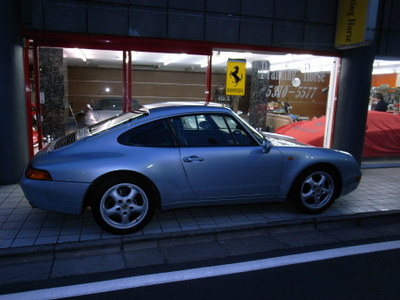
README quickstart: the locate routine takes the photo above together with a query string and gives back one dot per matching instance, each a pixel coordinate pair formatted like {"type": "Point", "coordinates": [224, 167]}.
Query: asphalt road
{"type": "Point", "coordinates": [362, 271]}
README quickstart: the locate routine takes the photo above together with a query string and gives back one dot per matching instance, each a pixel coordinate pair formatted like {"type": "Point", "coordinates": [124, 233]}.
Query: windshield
{"type": "Point", "coordinates": [117, 120]}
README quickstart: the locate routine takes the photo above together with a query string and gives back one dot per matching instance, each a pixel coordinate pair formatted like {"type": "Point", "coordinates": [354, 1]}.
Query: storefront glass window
{"type": "Point", "coordinates": [159, 77]}
{"type": "Point", "coordinates": [276, 86]}
{"type": "Point", "coordinates": [271, 91]}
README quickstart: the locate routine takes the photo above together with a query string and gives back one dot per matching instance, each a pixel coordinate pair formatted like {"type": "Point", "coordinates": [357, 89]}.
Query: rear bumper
{"type": "Point", "coordinates": [63, 197]}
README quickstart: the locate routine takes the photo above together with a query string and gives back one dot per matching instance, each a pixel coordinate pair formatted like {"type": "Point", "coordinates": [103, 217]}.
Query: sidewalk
{"type": "Point", "coordinates": [21, 226]}
{"type": "Point", "coordinates": [38, 246]}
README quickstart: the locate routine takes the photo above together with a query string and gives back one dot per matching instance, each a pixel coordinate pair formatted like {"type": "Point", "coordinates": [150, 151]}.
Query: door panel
{"type": "Point", "coordinates": [232, 170]}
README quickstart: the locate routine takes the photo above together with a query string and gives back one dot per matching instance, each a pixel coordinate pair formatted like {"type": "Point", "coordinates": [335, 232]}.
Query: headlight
{"type": "Point", "coordinates": [344, 152]}
{"type": "Point", "coordinates": [37, 174]}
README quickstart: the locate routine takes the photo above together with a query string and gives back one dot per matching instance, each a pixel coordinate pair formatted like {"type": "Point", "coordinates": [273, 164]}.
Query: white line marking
{"type": "Point", "coordinates": [197, 273]}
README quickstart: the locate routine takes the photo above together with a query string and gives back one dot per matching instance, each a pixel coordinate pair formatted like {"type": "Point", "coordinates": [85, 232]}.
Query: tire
{"type": "Point", "coordinates": [314, 190]}
{"type": "Point", "coordinates": [122, 205]}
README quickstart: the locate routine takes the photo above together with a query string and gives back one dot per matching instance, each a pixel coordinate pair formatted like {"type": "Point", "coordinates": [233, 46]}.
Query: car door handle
{"type": "Point", "coordinates": [193, 158]}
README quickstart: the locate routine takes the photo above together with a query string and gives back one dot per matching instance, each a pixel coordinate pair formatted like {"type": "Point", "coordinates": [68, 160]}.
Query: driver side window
{"type": "Point", "coordinates": [207, 130]}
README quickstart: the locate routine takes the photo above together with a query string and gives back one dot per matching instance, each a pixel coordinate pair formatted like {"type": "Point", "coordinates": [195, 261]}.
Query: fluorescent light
{"type": "Point", "coordinates": [81, 55]}
{"type": "Point", "coordinates": [381, 63]}
{"type": "Point", "coordinates": [174, 58]}
{"type": "Point", "coordinates": [204, 64]}
{"type": "Point", "coordinates": [384, 71]}
{"type": "Point", "coordinates": [216, 60]}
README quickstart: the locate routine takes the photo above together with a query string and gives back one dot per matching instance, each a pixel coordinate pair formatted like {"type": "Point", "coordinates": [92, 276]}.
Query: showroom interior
{"type": "Point", "coordinates": [88, 75]}
{"type": "Point", "coordinates": [67, 62]}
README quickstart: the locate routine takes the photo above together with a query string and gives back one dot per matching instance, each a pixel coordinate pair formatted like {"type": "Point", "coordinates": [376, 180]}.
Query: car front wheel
{"type": "Point", "coordinates": [314, 190]}
{"type": "Point", "coordinates": [122, 205]}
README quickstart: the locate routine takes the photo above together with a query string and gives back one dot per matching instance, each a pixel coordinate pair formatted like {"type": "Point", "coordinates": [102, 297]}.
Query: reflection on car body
{"type": "Point", "coordinates": [105, 108]}
{"type": "Point", "coordinates": [172, 155]}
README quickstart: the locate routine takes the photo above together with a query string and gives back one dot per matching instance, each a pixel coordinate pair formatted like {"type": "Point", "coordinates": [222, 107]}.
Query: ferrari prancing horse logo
{"type": "Point", "coordinates": [235, 77]}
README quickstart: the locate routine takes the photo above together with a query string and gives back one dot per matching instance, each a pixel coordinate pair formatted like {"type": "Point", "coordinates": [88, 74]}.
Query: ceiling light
{"type": "Point", "coordinates": [383, 71]}
{"type": "Point", "coordinates": [81, 55]}
{"type": "Point", "coordinates": [380, 63]}
{"type": "Point", "coordinates": [216, 60]}
{"type": "Point", "coordinates": [174, 58]}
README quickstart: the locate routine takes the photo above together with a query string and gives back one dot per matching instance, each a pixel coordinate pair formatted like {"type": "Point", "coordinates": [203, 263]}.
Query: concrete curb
{"type": "Point", "coordinates": [34, 253]}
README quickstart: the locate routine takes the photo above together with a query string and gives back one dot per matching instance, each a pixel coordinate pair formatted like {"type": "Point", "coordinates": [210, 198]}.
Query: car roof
{"type": "Point", "coordinates": [182, 104]}
{"type": "Point", "coordinates": [181, 107]}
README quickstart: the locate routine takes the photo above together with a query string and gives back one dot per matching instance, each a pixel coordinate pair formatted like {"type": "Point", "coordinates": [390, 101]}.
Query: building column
{"type": "Point", "coordinates": [52, 73]}
{"type": "Point", "coordinates": [353, 98]}
{"type": "Point", "coordinates": [14, 153]}
{"type": "Point", "coordinates": [258, 100]}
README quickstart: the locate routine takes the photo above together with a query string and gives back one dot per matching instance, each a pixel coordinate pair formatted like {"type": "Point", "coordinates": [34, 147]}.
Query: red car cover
{"type": "Point", "coordinates": [382, 136]}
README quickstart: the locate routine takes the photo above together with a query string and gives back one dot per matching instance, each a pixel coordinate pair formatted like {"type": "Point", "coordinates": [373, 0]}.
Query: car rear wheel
{"type": "Point", "coordinates": [122, 205]}
{"type": "Point", "coordinates": [314, 190]}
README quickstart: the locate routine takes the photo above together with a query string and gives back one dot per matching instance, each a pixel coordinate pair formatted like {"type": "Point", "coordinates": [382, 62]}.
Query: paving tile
{"type": "Point", "coordinates": [199, 212]}
{"type": "Point", "coordinates": [238, 218]}
{"type": "Point", "coordinates": [46, 240]}
{"type": "Point", "coordinates": [12, 225]}
{"type": "Point", "coordinates": [190, 227]}
{"type": "Point", "coordinates": [152, 230]}
{"type": "Point", "coordinates": [207, 226]}
{"type": "Point", "coordinates": [68, 230]}
{"type": "Point", "coordinates": [49, 231]}
{"type": "Point", "coordinates": [33, 224]}
{"type": "Point", "coordinates": [22, 242]}
{"type": "Point", "coordinates": [169, 223]}
{"type": "Point", "coordinates": [171, 229]}
{"type": "Point", "coordinates": [90, 236]}
{"type": "Point", "coordinates": [68, 238]}
{"type": "Point", "coordinates": [222, 219]}
{"type": "Point", "coordinates": [205, 220]}
{"type": "Point", "coordinates": [5, 243]}
{"type": "Point", "coordinates": [8, 233]}
{"type": "Point", "coordinates": [28, 233]}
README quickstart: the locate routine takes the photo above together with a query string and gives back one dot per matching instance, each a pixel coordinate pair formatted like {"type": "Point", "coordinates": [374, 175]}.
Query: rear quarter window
{"type": "Point", "coordinates": [153, 134]}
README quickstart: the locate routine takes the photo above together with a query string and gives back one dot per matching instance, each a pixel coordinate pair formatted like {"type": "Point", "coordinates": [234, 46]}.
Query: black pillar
{"type": "Point", "coordinates": [14, 152]}
{"type": "Point", "coordinates": [353, 98]}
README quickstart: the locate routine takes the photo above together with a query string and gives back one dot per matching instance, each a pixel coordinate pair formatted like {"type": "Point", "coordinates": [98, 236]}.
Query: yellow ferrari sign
{"type": "Point", "coordinates": [355, 23]}
{"type": "Point", "coordinates": [235, 77]}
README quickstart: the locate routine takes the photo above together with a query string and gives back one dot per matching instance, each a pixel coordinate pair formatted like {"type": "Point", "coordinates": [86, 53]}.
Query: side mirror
{"type": "Point", "coordinates": [89, 106]}
{"type": "Point", "coordinates": [266, 146]}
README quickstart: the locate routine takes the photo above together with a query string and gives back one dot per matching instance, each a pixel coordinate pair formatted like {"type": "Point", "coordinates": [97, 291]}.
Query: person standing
{"type": "Point", "coordinates": [381, 105]}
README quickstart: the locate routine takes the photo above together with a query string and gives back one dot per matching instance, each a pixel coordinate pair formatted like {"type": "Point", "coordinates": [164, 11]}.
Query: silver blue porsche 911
{"type": "Point", "coordinates": [173, 155]}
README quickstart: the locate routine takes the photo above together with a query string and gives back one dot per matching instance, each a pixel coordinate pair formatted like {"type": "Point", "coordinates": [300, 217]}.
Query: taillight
{"type": "Point", "coordinates": [37, 174]}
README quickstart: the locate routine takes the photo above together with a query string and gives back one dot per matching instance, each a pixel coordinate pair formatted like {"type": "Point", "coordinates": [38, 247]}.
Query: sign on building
{"type": "Point", "coordinates": [356, 23]}
{"type": "Point", "coordinates": [235, 77]}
